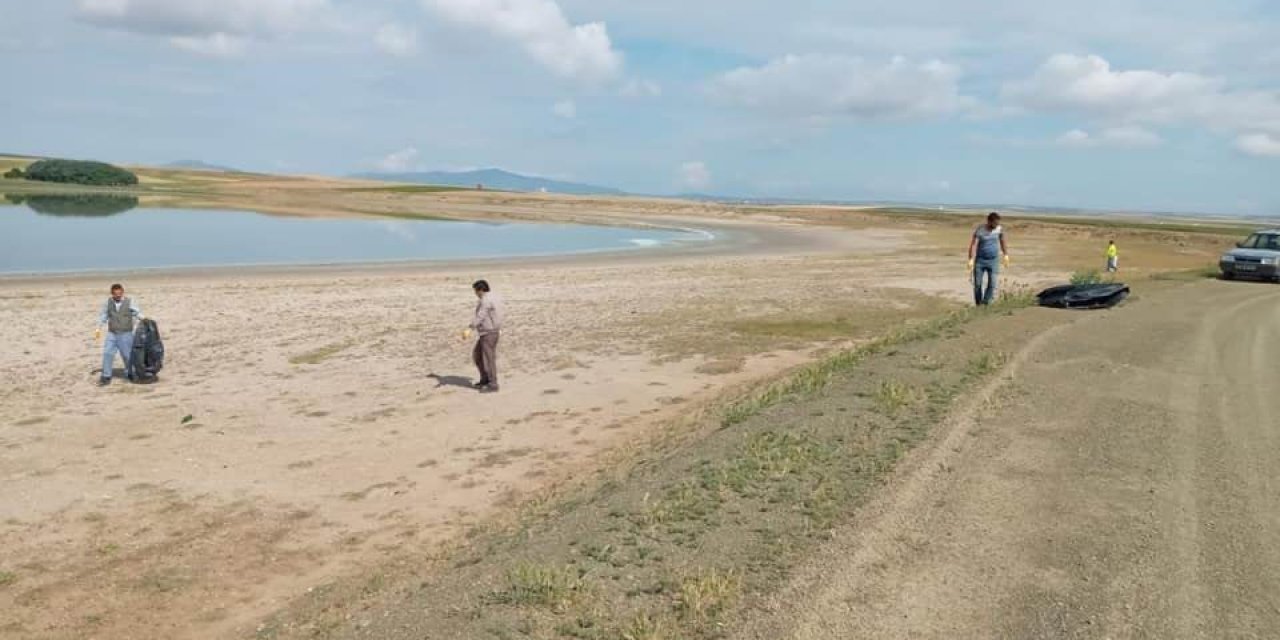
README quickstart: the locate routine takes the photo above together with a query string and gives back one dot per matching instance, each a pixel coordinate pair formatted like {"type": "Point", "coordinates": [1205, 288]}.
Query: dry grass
{"type": "Point", "coordinates": [893, 397]}
{"type": "Point", "coordinates": [318, 356]}
{"type": "Point", "coordinates": [540, 586]}
{"type": "Point", "coordinates": [706, 596]}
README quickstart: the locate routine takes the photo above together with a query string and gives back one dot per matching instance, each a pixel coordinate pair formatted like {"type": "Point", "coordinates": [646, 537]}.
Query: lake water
{"type": "Point", "coordinates": [47, 234]}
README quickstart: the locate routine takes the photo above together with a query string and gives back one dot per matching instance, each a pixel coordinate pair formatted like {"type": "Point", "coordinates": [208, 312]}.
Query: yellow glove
{"type": "Point", "coordinates": [97, 334]}
{"type": "Point", "coordinates": [971, 265]}
{"type": "Point", "coordinates": [1006, 261]}
{"type": "Point", "coordinates": [466, 333]}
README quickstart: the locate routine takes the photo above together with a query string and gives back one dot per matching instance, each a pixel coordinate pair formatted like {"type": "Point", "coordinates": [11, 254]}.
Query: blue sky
{"type": "Point", "coordinates": [1168, 105]}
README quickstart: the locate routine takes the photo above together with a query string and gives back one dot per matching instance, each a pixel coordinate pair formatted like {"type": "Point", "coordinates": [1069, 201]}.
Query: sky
{"type": "Point", "coordinates": [1169, 105]}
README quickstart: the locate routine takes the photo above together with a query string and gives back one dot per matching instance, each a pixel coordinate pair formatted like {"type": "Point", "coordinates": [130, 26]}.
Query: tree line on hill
{"type": "Point", "coordinates": [83, 172]}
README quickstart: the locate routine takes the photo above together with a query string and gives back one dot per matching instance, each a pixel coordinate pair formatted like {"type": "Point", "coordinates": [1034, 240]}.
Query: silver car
{"type": "Point", "coordinates": [1256, 257]}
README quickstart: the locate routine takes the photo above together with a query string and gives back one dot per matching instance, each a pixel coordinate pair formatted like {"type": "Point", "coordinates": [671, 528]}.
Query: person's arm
{"type": "Point", "coordinates": [973, 246]}
{"type": "Point", "coordinates": [1004, 248]}
{"type": "Point", "coordinates": [134, 310]}
{"type": "Point", "coordinates": [102, 316]}
{"type": "Point", "coordinates": [477, 320]}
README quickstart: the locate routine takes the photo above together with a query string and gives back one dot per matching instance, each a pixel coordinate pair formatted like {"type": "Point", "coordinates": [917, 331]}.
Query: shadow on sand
{"type": "Point", "coordinates": [452, 381]}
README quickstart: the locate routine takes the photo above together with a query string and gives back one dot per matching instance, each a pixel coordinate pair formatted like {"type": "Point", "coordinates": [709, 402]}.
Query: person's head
{"type": "Point", "coordinates": [993, 220]}
{"type": "Point", "coordinates": [1112, 242]}
{"type": "Point", "coordinates": [481, 287]}
{"type": "Point", "coordinates": [117, 292]}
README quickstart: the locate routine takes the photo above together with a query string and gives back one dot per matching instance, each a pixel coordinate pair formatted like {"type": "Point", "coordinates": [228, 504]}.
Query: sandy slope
{"type": "Point", "coordinates": [330, 423]}
{"type": "Point", "coordinates": [1119, 483]}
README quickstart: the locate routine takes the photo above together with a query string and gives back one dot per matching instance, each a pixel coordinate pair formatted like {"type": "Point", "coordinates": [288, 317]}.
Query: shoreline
{"type": "Point", "coordinates": [726, 240]}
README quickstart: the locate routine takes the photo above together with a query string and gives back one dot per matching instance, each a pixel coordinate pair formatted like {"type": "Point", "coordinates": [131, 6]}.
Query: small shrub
{"type": "Point", "coordinates": [893, 396]}
{"type": "Point", "coordinates": [533, 585]}
{"type": "Point", "coordinates": [705, 596]}
{"type": "Point", "coordinates": [985, 364]}
{"type": "Point", "coordinates": [1090, 276]}
{"type": "Point", "coordinates": [14, 174]}
{"type": "Point", "coordinates": [648, 627]}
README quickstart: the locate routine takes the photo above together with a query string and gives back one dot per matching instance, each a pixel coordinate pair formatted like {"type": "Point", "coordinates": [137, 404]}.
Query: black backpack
{"type": "Point", "coordinates": [148, 353]}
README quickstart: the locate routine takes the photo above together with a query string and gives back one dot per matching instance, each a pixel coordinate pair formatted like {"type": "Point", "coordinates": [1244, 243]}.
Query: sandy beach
{"type": "Point", "coordinates": [312, 420]}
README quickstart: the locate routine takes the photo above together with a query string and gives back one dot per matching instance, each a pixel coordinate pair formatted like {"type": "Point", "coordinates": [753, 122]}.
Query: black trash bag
{"type": "Point", "coordinates": [148, 353]}
{"type": "Point", "coordinates": [1083, 296]}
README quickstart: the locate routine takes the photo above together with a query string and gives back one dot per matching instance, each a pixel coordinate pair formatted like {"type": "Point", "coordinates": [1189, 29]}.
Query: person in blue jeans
{"type": "Point", "coordinates": [117, 316]}
{"type": "Point", "coordinates": [987, 249]}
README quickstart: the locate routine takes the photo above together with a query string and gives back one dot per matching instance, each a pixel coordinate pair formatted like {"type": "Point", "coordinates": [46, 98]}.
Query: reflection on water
{"type": "Point", "coordinates": [46, 234]}
{"type": "Point", "coordinates": [89, 205]}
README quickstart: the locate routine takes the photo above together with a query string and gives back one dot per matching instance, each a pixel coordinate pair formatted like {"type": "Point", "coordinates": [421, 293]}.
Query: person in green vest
{"type": "Point", "coordinates": [1113, 257]}
{"type": "Point", "coordinates": [117, 317]}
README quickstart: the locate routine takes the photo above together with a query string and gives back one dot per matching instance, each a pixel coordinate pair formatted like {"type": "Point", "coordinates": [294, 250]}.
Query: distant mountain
{"type": "Point", "coordinates": [492, 179]}
{"type": "Point", "coordinates": [199, 166]}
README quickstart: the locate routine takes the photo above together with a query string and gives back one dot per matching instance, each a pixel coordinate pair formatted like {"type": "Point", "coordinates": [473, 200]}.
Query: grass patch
{"type": "Point", "coordinates": [407, 188]}
{"type": "Point", "coordinates": [317, 356]}
{"type": "Point", "coordinates": [534, 585]}
{"type": "Point", "coordinates": [985, 364]}
{"type": "Point", "coordinates": [7, 578]}
{"type": "Point", "coordinates": [816, 377]}
{"type": "Point", "coordinates": [645, 626]}
{"type": "Point", "coordinates": [704, 524]}
{"type": "Point", "coordinates": [706, 596]}
{"type": "Point", "coordinates": [892, 397]}
{"type": "Point", "coordinates": [1086, 277]}
{"type": "Point", "coordinates": [1207, 272]}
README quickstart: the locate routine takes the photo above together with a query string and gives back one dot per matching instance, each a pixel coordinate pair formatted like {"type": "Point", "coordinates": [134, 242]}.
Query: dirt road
{"type": "Point", "coordinates": [1120, 481]}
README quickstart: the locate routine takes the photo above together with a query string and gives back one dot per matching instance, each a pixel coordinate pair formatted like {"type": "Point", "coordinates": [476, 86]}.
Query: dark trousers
{"type": "Point", "coordinates": [486, 358]}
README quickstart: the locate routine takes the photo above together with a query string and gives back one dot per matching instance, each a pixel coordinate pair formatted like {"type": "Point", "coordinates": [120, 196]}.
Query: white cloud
{"type": "Point", "coordinates": [826, 85]}
{"type": "Point", "coordinates": [580, 52]}
{"type": "Point", "coordinates": [1088, 85]}
{"type": "Point", "coordinates": [402, 160]}
{"type": "Point", "coordinates": [217, 45]}
{"type": "Point", "coordinates": [1130, 137]}
{"type": "Point", "coordinates": [636, 88]}
{"type": "Point", "coordinates": [190, 18]}
{"type": "Point", "coordinates": [1075, 138]}
{"type": "Point", "coordinates": [396, 40]}
{"type": "Point", "coordinates": [1259, 144]}
{"type": "Point", "coordinates": [219, 28]}
{"type": "Point", "coordinates": [565, 109]}
{"type": "Point", "coordinates": [695, 175]}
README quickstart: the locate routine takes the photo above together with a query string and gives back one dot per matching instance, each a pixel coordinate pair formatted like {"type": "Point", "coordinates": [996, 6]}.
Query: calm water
{"type": "Point", "coordinates": [50, 234]}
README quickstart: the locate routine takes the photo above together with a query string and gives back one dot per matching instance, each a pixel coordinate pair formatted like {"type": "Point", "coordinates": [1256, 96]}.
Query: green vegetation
{"type": "Point", "coordinates": [1207, 272]}
{"type": "Point", "coordinates": [539, 586]}
{"type": "Point", "coordinates": [82, 172]}
{"type": "Point", "coordinates": [14, 174]}
{"type": "Point", "coordinates": [406, 188]}
{"type": "Point", "coordinates": [705, 521]}
{"type": "Point", "coordinates": [1088, 276]}
{"type": "Point", "coordinates": [816, 377]}
{"type": "Point", "coordinates": [89, 205]}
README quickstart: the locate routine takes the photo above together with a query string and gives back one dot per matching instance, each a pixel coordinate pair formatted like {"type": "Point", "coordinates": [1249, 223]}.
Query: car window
{"type": "Point", "coordinates": [1251, 242]}
{"type": "Point", "coordinates": [1271, 242]}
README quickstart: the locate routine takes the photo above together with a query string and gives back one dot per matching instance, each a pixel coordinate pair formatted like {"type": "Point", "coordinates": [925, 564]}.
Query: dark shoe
{"type": "Point", "coordinates": [482, 384]}
{"type": "Point", "coordinates": [102, 382]}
